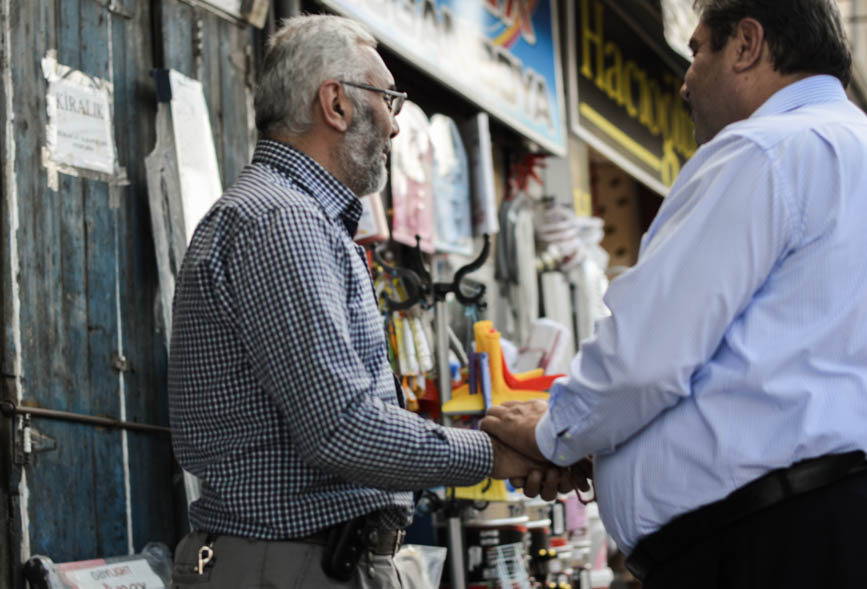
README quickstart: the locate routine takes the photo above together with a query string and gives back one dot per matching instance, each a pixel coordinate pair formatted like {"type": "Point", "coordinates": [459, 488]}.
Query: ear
{"type": "Point", "coordinates": [335, 106]}
{"type": "Point", "coordinates": [748, 42]}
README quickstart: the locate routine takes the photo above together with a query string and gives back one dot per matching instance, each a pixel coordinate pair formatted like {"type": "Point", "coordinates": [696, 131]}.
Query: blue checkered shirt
{"type": "Point", "coordinates": [281, 396]}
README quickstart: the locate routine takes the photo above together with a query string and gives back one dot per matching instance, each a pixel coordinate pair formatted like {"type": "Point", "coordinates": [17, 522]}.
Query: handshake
{"type": "Point", "coordinates": [512, 427]}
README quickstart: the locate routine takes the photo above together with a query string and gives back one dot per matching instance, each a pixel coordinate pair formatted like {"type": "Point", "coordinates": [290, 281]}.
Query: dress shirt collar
{"type": "Point", "coordinates": [811, 90]}
{"type": "Point", "coordinates": [337, 200]}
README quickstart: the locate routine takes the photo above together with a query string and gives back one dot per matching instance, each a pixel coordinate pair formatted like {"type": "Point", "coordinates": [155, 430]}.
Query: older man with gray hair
{"type": "Point", "coordinates": [281, 396]}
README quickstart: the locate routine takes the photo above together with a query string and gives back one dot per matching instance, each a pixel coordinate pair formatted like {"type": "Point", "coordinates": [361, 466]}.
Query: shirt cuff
{"type": "Point", "coordinates": [549, 442]}
{"type": "Point", "coordinates": [471, 456]}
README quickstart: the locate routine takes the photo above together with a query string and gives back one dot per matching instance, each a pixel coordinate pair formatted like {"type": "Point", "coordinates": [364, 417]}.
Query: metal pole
{"type": "Point", "coordinates": [456, 552]}
{"type": "Point", "coordinates": [454, 528]}
{"type": "Point", "coordinates": [444, 374]}
{"type": "Point", "coordinates": [9, 409]}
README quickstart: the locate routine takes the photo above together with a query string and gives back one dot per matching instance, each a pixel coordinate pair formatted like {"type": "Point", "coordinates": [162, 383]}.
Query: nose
{"type": "Point", "coordinates": [395, 128]}
{"type": "Point", "coordinates": [684, 92]}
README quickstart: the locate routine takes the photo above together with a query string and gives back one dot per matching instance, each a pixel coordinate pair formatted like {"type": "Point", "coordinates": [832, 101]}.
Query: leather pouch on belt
{"type": "Point", "coordinates": [346, 544]}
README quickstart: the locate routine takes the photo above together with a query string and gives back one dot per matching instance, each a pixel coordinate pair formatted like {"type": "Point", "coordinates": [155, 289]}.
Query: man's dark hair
{"type": "Point", "coordinates": [805, 36]}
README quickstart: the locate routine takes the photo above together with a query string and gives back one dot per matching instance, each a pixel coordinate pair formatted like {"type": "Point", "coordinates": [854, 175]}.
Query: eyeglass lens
{"type": "Point", "coordinates": [395, 104]}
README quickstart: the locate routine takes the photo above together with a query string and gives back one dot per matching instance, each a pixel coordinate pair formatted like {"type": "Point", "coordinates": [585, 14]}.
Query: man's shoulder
{"type": "Point", "coordinates": [252, 200]}
{"type": "Point", "coordinates": [260, 188]}
{"type": "Point", "coordinates": [812, 122]}
{"type": "Point", "coordinates": [259, 194]}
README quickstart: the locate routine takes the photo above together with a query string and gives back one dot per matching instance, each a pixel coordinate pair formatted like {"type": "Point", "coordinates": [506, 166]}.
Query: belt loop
{"type": "Point", "coordinates": [399, 535]}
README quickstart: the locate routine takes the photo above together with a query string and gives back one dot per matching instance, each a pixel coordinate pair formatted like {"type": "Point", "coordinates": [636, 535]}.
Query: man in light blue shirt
{"type": "Point", "coordinates": [737, 345]}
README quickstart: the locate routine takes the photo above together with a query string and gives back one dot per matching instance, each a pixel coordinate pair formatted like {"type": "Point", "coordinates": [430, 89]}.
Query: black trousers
{"type": "Point", "coordinates": [817, 540]}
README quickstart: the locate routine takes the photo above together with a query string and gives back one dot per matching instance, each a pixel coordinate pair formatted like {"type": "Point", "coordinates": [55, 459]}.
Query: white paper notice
{"type": "Point", "coordinates": [131, 574]}
{"type": "Point", "coordinates": [79, 132]}
{"type": "Point", "coordinates": [83, 125]}
{"type": "Point", "coordinates": [197, 156]}
{"type": "Point", "coordinates": [233, 7]}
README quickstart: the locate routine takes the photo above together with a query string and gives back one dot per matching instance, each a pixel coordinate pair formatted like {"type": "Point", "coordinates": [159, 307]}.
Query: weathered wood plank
{"type": "Point", "coordinates": [77, 503]}
{"type": "Point", "coordinates": [41, 251]}
{"type": "Point", "coordinates": [66, 501]}
{"type": "Point", "coordinates": [234, 141]}
{"type": "Point", "coordinates": [177, 28]}
{"type": "Point", "coordinates": [150, 459]}
{"type": "Point", "coordinates": [209, 76]}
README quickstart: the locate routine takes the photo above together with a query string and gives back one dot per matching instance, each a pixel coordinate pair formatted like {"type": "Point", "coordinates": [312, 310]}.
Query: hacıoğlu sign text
{"type": "Point", "coordinates": [624, 95]}
{"type": "Point", "coordinates": [500, 54]}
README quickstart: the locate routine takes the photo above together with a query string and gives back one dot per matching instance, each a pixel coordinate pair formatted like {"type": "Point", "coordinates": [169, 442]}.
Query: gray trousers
{"type": "Point", "coordinates": [244, 563]}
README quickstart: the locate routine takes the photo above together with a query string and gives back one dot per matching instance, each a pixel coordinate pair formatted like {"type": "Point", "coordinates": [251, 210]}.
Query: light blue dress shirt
{"type": "Point", "coordinates": [738, 342]}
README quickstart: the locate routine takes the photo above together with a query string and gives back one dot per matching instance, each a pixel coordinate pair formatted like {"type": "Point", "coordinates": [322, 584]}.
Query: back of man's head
{"type": "Point", "coordinates": [303, 53]}
{"type": "Point", "coordinates": [804, 36]}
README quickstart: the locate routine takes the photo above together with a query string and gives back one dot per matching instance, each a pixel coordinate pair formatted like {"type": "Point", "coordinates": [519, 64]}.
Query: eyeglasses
{"type": "Point", "coordinates": [393, 98]}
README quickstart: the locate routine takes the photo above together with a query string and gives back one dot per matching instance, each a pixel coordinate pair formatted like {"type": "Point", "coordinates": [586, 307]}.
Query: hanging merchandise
{"type": "Point", "coordinates": [477, 140]}
{"type": "Point", "coordinates": [373, 226]}
{"type": "Point", "coordinates": [451, 185]}
{"type": "Point", "coordinates": [406, 333]}
{"type": "Point", "coordinates": [400, 293]}
{"type": "Point", "coordinates": [525, 294]}
{"type": "Point", "coordinates": [412, 179]}
{"type": "Point", "coordinates": [544, 348]}
{"type": "Point", "coordinates": [590, 286]}
{"type": "Point", "coordinates": [570, 244]}
{"type": "Point", "coordinates": [566, 239]}
{"type": "Point", "coordinates": [556, 294]}
{"type": "Point", "coordinates": [516, 251]}
{"type": "Point", "coordinates": [422, 347]}
{"type": "Point", "coordinates": [403, 362]}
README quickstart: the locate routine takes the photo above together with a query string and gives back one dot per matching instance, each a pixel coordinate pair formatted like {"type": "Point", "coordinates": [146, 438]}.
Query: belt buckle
{"type": "Point", "coordinates": [399, 535]}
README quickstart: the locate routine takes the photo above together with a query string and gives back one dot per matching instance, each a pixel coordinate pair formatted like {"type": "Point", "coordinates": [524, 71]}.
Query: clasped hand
{"type": "Point", "coordinates": [512, 427]}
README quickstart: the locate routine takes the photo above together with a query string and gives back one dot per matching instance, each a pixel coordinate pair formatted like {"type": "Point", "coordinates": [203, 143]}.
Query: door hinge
{"type": "Point", "coordinates": [29, 441]}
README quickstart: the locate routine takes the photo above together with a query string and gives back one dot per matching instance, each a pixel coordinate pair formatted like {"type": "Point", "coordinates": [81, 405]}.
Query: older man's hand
{"type": "Point", "coordinates": [535, 477]}
{"type": "Point", "coordinates": [515, 423]}
{"type": "Point", "coordinates": [512, 427]}
{"type": "Point", "coordinates": [512, 464]}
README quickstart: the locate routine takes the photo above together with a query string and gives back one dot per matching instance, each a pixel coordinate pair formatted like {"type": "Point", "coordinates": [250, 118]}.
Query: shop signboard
{"type": "Point", "coordinates": [503, 55]}
{"type": "Point", "coordinates": [624, 93]}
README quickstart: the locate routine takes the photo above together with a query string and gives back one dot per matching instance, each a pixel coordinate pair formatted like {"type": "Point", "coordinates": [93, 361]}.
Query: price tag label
{"type": "Point", "coordinates": [131, 574]}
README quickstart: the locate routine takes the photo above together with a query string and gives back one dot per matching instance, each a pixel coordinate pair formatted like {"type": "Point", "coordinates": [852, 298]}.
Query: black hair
{"type": "Point", "coordinates": [804, 36]}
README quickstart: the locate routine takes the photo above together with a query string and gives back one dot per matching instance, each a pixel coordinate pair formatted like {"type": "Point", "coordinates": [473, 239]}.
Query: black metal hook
{"type": "Point", "coordinates": [476, 297]}
{"type": "Point", "coordinates": [412, 283]}
{"type": "Point", "coordinates": [441, 289]}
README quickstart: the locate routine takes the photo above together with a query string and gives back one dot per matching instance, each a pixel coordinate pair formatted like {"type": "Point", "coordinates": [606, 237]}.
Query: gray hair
{"type": "Point", "coordinates": [805, 36]}
{"type": "Point", "coordinates": [301, 55]}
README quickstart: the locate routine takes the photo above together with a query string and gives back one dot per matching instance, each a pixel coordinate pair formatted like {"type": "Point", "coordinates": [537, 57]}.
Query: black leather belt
{"type": "Point", "coordinates": [383, 541]}
{"type": "Point", "coordinates": [378, 540]}
{"type": "Point", "coordinates": [776, 486]}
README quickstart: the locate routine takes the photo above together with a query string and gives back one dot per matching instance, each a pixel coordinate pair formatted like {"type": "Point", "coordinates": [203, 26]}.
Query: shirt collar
{"type": "Point", "coordinates": [337, 200]}
{"type": "Point", "coordinates": [812, 90]}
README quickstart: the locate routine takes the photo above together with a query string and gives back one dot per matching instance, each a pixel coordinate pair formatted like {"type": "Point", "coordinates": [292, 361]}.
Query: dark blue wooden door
{"type": "Point", "coordinates": [78, 273]}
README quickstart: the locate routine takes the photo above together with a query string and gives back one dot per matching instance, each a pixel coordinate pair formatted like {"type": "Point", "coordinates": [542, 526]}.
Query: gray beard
{"type": "Point", "coordinates": [360, 156]}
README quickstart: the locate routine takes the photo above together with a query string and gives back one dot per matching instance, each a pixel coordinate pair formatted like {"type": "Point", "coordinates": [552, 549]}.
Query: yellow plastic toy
{"type": "Point", "coordinates": [487, 490]}
{"type": "Point", "coordinates": [504, 385]}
